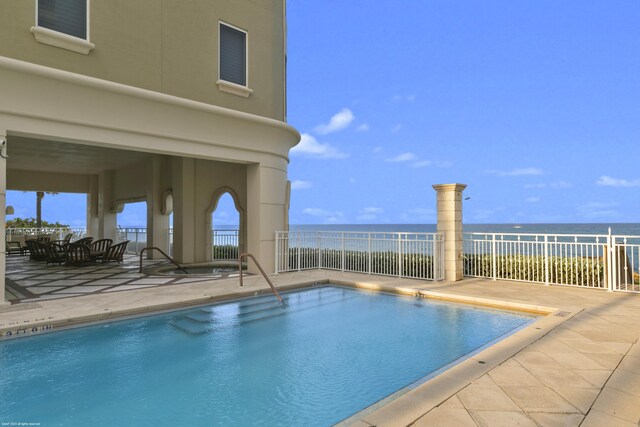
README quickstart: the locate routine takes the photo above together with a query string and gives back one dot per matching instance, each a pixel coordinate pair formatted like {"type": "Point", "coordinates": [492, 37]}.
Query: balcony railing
{"type": "Point", "coordinates": [413, 255]}
{"type": "Point", "coordinates": [588, 261]}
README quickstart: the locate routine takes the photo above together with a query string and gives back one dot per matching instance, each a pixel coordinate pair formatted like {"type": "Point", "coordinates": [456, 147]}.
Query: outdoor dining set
{"type": "Point", "coordinates": [80, 252]}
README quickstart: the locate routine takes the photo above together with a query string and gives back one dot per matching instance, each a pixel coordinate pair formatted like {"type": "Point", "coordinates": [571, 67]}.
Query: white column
{"type": "Point", "coordinates": [157, 223]}
{"type": "Point", "coordinates": [184, 210]}
{"type": "Point", "coordinates": [3, 219]}
{"type": "Point", "coordinates": [449, 202]}
{"type": "Point", "coordinates": [93, 217]}
{"type": "Point", "coordinates": [266, 201]}
{"type": "Point", "coordinates": [106, 208]}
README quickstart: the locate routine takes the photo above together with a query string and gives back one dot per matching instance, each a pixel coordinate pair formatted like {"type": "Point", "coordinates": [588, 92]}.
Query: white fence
{"type": "Point", "coordinates": [413, 255]}
{"type": "Point", "coordinates": [591, 261]}
{"type": "Point", "coordinates": [225, 242]}
{"type": "Point", "coordinates": [14, 234]}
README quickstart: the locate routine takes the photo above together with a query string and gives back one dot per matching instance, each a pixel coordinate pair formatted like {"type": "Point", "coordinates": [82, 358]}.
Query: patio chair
{"type": "Point", "coordinates": [66, 240]}
{"type": "Point", "coordinates": [84, 241]}
{"type": "Point", "coordinates": [79, 254]}
{"type": "Point", "coordinates": [14, 247]}
{"type": "Point", "coordinates": [101, 245]}
{"type": "Point", "coordinates": [55, 253]}
{"type": "Point", "coordinates": [37, 250]}
{"type": "Point", "coordinates": [115, 252]}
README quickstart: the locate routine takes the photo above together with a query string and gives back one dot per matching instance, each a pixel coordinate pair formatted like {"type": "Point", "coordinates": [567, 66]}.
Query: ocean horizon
{"type": "Point", "coordinates": [626, 229]}
{"type": "Point", "coordinates": [619, 229]}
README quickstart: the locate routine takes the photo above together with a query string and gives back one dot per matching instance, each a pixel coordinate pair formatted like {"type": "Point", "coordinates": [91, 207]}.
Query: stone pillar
{"type": "Point", "coordinates": [93, 218]}
{"type": "Point", "coordinates": [449, 203]}
{"type": "Point", "coordinates": [106, 207]}
{"type": "Point", "coordinates": [266, 200]}
{"type": "Point", "coordinates": [184, 197]}
{"type": "Point", "coordinates": [3, 217]}
{"type": "Point", "coordinates": [157, 222]}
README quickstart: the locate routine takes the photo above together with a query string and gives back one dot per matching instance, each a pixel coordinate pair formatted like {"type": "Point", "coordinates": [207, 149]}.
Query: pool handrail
{"type": "Point", "coordinates": [165, 255]}
{"type": "Point", "coordinates": [273, 288]}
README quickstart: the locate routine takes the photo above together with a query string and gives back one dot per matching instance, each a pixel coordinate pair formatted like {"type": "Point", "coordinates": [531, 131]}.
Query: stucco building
{"type": "Point", "coordinates": [170, 102]}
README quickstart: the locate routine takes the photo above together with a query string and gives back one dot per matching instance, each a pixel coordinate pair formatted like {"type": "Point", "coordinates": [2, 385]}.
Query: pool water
{"type": "Point", "coordinates": [325, 355]}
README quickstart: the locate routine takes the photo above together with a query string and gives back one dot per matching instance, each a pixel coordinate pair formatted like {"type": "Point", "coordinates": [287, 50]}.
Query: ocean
{"type": "Point", "coordinates": [627, 229]}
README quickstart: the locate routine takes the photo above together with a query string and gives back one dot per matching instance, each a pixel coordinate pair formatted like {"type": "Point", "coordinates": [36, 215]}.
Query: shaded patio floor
{"type": "Point", "coordinates": [28, 281]}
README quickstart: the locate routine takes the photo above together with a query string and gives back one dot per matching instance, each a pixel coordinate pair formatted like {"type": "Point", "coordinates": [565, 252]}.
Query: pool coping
{"type": "Point", "coordinates": [413, 404]}
{"type": "Point", "coordinates": [404, 409]}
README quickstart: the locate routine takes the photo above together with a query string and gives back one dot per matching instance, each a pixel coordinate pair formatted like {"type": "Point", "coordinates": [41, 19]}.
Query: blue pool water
{"type": "Point", "coordinates": [329, 353]}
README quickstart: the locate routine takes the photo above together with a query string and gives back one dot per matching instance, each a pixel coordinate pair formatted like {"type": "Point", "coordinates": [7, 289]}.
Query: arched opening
{"type": "Point", "coordinates": [132, 225]}
{"type": "Point", "coordinates": [225, 219]}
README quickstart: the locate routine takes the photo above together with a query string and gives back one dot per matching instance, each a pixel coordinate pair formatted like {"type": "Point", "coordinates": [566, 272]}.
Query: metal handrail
{"type": "Point", "coordinates": [163, 253]}
{"type": "Point", "coordinates": [273, 288]}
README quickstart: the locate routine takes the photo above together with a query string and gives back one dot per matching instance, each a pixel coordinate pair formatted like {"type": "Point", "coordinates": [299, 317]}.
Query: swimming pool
{"type": "Point", "coordinates": [325, 355]}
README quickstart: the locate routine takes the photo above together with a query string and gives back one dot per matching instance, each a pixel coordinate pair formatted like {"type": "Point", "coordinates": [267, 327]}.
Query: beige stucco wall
{"type": "Point", "coordinates": [168, 46]}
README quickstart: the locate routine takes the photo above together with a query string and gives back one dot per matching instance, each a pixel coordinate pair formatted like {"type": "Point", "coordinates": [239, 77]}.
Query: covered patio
{"type": "Point", "coordinates": [179, 156]}
{"type": "Point", "coordinates": [29, 281]}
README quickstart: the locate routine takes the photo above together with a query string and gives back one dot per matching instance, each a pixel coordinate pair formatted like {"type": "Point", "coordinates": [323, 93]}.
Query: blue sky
{"type": "Point", "coordinates": [535, 105]}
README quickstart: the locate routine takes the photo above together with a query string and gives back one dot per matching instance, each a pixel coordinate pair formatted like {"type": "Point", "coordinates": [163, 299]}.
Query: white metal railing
{"type": "Point", "coordinates": [55, 233]}
{"type": "Point", "coordinates": [225, 244]}
{"type": "Point", "coordinates": [583, 260]}
{"type": "Point", "coordinates": [414, 255]}
{"type": "Point", "coordinates": [626, 258]}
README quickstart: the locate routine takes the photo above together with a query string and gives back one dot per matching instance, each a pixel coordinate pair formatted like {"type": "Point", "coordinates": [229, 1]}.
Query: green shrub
{"type": "Point", "coordinates": [382, 262]}
{"type": "Point", "coordinates": [586, 271]}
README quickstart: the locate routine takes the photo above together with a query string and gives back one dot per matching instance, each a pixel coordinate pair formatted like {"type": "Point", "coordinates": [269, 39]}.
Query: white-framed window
{"type": "Point", "coordinates": [233, 75]}
{"type": "Point", "coordinates": [63, 23]}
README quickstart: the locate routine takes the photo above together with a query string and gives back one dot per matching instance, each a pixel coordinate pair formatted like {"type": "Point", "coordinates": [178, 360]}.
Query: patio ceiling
{"type": "Point", "coordinates": [54, 156]}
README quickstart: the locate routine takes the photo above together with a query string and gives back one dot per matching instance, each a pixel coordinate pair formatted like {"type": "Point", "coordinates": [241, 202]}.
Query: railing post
{"type": "Point", "coordinates": [276, 270]}
{"type": "Point", "coordinates": [343, 254]}
{"type": "Point", "coordinates": [399, 255]}
{"type": "Point", "coordinates": [546, 260]}
{"type": "Point", "coordinates": [319, 250]}
{"type": "Point", "coordinates": [298, 249]}
{"type": "Point", "coordinates": [611, 265]}
{"type": "Point", "coordinates": [494, 258]}
{"type": "Point", "coordinates": [369, 253]}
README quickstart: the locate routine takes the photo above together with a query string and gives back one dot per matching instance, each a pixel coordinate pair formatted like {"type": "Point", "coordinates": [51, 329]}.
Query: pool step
{"type": "Point", "coordinates": [203, 322]}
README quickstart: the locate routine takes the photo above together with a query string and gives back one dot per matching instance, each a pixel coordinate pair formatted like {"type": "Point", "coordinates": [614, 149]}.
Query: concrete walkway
{"type": "Point", "coordinates": [577, 365]}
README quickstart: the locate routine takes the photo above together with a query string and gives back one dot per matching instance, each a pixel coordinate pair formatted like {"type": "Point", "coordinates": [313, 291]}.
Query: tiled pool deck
{"type": "Point", "coordinates": [577, 365]}
{"type": "Point", "coordinates": [35, 281]}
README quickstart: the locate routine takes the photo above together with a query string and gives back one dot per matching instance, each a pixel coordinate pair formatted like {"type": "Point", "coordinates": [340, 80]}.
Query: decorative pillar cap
{"type": "Point", "coordinates": [449, 187]}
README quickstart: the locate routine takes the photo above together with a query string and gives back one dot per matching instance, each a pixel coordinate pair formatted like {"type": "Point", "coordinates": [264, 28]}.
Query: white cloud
{"type": "Point", "coordinates": [532, 199]}
{"type": "Point", "coordinates": [300, 185]}
{"type": "Point", "coordinates": [422, 164]}
{"type": "Point", "coordinates": [607, 181]}
{"type": "Point", "coordinates": [328, 217]}
{"type": "Point", "coordinates": [310, 147]}
{"type": "Point", "coordinates": [517, 172]}
{"type": "Point", "coordinates": [404, 157]}
{"type": "Point", "coordinates": [418, 214]}
{"type": "Point", "coordinates": [486, 214]}
{"type": "Point", "coordinates": [372, 210]}
{"type": "Point", "coordinates": [363, 128]}
{"type": "Point", "coordinates": [338, 121]}
{"type": "Point", "coordinates": [444, 164]}
{"type": "Point", "coordinates": [377, 149]}
{"type": "Point", "coordinates": [598, 210]}
{"type": "Point", "coordinates": [352, 180]}
{"type": "Point", "coordinates": [369, 213]}
{"type": "Point", "coordinates": [408, 98]}
{"type": "Point", "coordinates": [396, 128]}
{"type": "Point", "coordinates": [555, 185]}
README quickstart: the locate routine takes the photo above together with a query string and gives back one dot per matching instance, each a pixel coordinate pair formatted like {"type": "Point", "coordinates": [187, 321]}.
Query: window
{"type": "Point", "coordinates": [233, 61]}
{"type": "Point", "coordinates": [63, 23]}
{"type": "Point", "coordinates": [64, 16]}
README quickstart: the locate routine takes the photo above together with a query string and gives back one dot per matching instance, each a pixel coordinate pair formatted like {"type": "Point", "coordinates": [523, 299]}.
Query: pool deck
{"type": "Point", "coordinates": [578, 364]}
